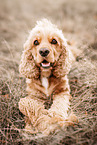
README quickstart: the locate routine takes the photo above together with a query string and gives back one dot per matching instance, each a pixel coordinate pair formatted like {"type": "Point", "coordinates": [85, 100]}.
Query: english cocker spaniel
{"type": "Point", "coordinates": [45, 63]}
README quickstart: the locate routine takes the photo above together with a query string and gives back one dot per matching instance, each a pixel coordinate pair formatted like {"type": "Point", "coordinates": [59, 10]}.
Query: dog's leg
{"type": "Point", "coordinates": [32, 109]}
{"type": "Point", "coordinates": [38, 118]}
{"type": "Point", "coordinates": [59, 110]}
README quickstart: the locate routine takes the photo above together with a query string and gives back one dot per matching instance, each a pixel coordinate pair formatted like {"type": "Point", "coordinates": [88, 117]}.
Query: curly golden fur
{"type": "Point", "coordinates": [45, 62]}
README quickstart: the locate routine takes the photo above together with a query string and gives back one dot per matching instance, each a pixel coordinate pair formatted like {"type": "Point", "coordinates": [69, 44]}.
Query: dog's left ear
{"type": "Point", "coordinates": [64, 62]}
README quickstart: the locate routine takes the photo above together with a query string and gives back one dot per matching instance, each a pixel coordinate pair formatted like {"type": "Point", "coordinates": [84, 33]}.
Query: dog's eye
{"type": "Point", "coordinates": [54, 41]}
{"type": "Point", "coordinates": [36, 42]}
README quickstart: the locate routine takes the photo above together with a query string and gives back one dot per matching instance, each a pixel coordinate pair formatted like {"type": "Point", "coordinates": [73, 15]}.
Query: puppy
{"type": "Point", "coordinates": [45, 62]}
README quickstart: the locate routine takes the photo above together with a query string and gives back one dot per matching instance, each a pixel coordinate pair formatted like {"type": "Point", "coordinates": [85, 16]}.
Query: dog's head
{"type": "Point", "coordinates": [45, 49]}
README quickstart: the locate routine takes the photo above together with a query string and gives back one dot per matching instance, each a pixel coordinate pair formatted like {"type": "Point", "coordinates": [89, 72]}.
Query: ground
{"type": "Point", "coordinates": [78, 20]}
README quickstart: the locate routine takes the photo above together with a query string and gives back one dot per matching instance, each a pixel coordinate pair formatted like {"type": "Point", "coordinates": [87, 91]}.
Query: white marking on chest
{"type": "Point", "coordinates": [45, 84]}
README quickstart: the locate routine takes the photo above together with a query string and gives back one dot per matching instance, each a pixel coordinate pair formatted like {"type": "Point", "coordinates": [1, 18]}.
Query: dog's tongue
{"type": "Point", "coordinates": [45, 64]}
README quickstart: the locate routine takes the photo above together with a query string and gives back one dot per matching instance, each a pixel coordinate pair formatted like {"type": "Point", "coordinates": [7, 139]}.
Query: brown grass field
{"type": "Point", "coordinates": [78, 20]}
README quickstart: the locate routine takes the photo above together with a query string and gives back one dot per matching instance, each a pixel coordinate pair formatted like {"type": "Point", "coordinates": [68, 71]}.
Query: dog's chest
{"type": "Point", "coordinates": [45, 84]}
{"type": "Point", "coordinates": [52, 86]}
{"type": "Point", "coordinates": [46, 88]}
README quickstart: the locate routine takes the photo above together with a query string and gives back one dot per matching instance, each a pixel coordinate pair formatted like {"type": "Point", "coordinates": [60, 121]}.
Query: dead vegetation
{"type": "Point", "coordinates": [78, 21]}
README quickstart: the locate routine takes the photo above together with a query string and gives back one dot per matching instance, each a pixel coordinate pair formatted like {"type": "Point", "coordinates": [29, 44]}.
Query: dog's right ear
{"type": "Point", "coordinates": [27, 65]}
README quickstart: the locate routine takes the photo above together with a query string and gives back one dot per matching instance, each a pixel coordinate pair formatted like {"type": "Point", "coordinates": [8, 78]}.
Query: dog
{"type": "Point", "coordinates": [45, 62]}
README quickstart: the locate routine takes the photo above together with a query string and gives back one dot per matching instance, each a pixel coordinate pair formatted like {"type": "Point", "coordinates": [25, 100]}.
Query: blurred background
{"type": "Point", "coordinates": [78, 20]}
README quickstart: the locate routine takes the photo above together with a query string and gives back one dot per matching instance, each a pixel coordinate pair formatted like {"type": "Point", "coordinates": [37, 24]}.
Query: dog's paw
{"type": "Point", "coordinates": [30, 129]}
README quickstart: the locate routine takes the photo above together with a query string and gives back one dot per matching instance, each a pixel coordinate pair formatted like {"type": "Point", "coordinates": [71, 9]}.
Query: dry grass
{"type": "Point", "coordinates": [83, 77]}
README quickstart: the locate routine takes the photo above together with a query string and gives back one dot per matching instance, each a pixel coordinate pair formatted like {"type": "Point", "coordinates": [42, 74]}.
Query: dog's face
{"type": "Point", "coordinates": [45, 50]}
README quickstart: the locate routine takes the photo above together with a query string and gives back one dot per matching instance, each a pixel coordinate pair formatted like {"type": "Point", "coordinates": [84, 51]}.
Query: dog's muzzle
{"type": "Point", "coordinates": [44, 53]}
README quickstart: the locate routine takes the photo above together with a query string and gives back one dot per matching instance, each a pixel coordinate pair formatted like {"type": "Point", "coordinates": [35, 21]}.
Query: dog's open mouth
{"type": "Point", "coordinates": [45, 64]}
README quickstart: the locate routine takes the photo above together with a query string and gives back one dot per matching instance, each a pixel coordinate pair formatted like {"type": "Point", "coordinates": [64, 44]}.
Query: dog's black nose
{"type": "Point", "coordinates": [44, 52]}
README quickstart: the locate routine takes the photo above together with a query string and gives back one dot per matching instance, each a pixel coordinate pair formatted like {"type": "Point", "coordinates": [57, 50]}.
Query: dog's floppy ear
{"type": "Point", "coordinates": [63, 64]}
{"type": "Point", "coordinates": [27, 65]}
